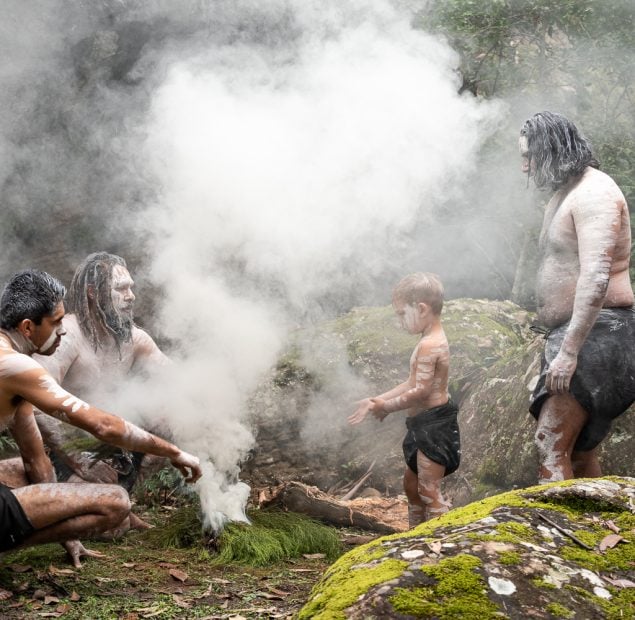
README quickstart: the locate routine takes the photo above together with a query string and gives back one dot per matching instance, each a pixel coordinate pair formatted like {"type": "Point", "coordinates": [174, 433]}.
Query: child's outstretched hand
{"type": "Point", "coordinates": [363, 407]}
{"type": "Point", "coordinates": [378, 408]}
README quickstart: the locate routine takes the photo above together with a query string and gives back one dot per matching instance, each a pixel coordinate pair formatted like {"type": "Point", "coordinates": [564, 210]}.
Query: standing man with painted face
{"type": "Point", "coordinates": [40, 510]}
{"type": "Point", "coordinates": [101, 350]}
{"type": "Point", "coordinates": [585, 299]}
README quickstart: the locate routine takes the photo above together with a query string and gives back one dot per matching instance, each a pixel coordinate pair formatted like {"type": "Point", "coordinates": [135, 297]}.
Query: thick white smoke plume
{"type": "Point", "coordinates": [264, 163]}
{"type": "Point", "coordinates": [290, 169]}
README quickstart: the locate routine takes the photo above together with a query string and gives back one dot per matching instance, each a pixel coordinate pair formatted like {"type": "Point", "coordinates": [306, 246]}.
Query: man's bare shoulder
{"type": "Point", "coordinates": [145, 348]}
{"type": "Point", "coordinates": [141, 336]}
{"type": "Point", "coordinates": [599, 187]}
{"type": "Point", "coordinates": [13, 363]}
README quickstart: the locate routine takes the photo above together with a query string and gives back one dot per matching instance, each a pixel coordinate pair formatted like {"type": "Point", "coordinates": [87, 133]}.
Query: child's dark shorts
{"type": "Point", "coordinates": [14, 525]}
{"type": "Point", "coordinates": [436, 433]}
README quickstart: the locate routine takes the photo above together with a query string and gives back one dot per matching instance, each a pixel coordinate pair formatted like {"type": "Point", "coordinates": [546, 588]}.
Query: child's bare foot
{"type": "Point", "coordinates": [416, 515]}
{"type": "Point", "coordinates": [434, 512]}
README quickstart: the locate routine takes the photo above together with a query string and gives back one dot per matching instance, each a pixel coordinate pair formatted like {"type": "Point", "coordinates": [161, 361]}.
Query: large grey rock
{"type": "Point", "coordinates": [560, 551]}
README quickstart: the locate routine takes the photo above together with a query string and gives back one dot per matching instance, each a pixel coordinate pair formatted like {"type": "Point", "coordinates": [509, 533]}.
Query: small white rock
{"type": "Point", "coordinates": [592, 577]}
{"type": "Point", "coordinates": [601, 592]}
{"type": "Point", "coordinates": [412, 554]}
{"type": "Point", "coordinates": [501, 586]}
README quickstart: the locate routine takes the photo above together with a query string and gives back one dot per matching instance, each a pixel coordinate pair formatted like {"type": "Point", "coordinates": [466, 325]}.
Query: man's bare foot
{"type": "Point", "coordinates": [137, 523]}
{"type": "Point", "coordinates": [76, 550]}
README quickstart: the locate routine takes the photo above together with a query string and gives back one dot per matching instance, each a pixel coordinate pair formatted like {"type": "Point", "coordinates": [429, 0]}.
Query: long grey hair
{"type": "Point", "coordinates": [556, 148]}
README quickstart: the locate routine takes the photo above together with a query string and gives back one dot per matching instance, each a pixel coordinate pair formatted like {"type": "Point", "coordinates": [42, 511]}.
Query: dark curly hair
{"type": "Point", "coordinates": [556, 148]}
{"type": "Point", "coordinates": [29, 294]}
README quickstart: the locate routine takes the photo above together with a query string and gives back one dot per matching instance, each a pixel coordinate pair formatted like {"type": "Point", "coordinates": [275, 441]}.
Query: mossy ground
{"type": "Point", "coordinates": [141, 573]}
{"type": "Point", "coordinates": [134, 581]}
{"type": "Point", "coordinates": [271, 536]}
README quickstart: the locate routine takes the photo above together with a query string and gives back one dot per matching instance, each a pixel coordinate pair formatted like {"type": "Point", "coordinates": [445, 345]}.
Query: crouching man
{"type": "Point", "coordinates": [34, 508]}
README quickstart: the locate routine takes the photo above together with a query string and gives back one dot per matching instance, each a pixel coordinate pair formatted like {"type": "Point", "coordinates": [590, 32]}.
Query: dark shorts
{"type": "Point", "coordinates": [604, 380]}
{"type": "Point", "coordinates": [126, 464]}
{"type": "Point", "coordinates": [14, 525]}
{"type": "Point", "coordinates": [436, 433]}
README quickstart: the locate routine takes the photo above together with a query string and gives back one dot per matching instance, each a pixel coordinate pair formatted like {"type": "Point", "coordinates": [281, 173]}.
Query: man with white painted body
{"type": "Point", "coordinates": [101, 350]}
{"type": "Point", "coordinates": [584, 300]}
{"type": "Point", "coordinates": [31, 313]}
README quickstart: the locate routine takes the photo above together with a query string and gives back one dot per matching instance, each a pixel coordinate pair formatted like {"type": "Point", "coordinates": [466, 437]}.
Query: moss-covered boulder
{"type": "Point", "coordinates": [565, 550]}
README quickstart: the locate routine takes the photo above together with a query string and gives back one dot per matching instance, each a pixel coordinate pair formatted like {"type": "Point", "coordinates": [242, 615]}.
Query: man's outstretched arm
{"type": "Point", "coordinates": [39, 388]}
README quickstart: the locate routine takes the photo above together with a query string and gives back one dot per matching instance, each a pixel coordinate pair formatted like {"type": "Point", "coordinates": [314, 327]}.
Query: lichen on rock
{"type": "Point", "coordinates": [554, 534]}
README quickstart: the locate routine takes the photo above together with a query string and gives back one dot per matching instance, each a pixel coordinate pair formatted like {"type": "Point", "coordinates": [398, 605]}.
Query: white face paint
{"type": "Point", "coordinates": [51, 341]}
{"type": "Point", "coordinates": [523, 147]}
{"type": "Point", "coordinates": [121, 292]}
{"type": "Point", "coordinates": [409, 317]}
{"type": "Point", "coordinates": [51, 329]}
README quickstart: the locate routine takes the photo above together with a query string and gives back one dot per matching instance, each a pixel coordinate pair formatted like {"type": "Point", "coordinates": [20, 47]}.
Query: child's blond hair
{"type": "Point", "coordinates": [420, 287]}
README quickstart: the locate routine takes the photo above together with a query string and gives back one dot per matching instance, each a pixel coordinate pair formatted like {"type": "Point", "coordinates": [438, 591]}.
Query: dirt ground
{"type": "Point", "coordinates": [135, 581]}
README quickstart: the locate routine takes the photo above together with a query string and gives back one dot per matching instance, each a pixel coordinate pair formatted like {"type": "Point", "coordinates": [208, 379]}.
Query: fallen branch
{"type": "Point", "coordinates": [298, 497]}
{"type": "Point", "coordinates": [575, 539]}
{"type": "Point", "coordinates": [359, 483]}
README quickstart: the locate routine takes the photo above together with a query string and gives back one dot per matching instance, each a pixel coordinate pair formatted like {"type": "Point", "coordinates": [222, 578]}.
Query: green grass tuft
{"type": "Point", "coordinates": [274, 536]}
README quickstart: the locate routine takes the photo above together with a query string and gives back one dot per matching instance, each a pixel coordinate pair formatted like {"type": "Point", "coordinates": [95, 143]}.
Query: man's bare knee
{"type": "Point", "coordinates": [547, 442]}
{"type": "Point", "coordinates": [116, 505]}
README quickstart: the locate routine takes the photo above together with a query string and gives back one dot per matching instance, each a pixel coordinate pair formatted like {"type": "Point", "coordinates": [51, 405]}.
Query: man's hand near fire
{"type": "Point", "coordinates": [188, 465]}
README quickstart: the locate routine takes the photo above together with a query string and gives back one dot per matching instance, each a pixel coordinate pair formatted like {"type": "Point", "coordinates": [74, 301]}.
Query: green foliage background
{"type": "Point", "coordinates": [576, 56]}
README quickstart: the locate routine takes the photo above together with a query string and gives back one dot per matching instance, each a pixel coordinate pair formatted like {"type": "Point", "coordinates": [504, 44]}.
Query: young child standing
{"type": "Point", "coordinates": [431, 446]}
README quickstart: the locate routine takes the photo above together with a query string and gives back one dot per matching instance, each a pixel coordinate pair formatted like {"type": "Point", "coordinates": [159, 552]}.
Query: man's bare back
{"type": "Point", "coordinates": [585, 223]}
